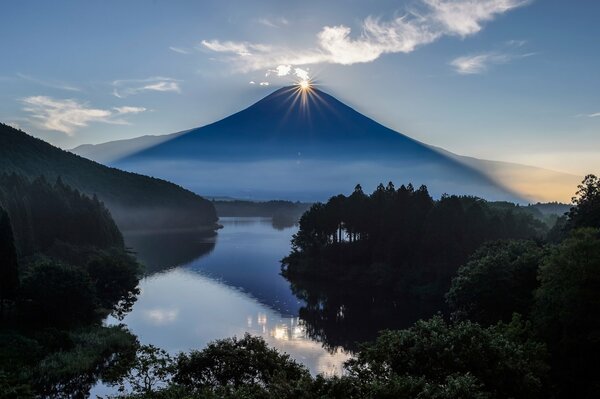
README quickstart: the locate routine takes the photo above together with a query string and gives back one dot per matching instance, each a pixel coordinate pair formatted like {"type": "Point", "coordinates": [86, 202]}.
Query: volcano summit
{"type": "Point", "coordinates": [298, 144]}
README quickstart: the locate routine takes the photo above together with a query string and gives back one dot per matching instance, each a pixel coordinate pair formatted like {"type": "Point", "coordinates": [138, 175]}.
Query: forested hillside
{"type": "Point", "coordinates": [135, 201]}
{"type": "Point", "coordinates": [45, 214]}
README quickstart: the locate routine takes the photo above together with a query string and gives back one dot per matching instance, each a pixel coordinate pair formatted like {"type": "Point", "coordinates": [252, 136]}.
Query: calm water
{"type": "Point", "coordinates": [202, 289]}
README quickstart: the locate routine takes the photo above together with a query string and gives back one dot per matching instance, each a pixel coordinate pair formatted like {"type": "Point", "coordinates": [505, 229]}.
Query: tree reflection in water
{"type": "Point", "coordinates": [342, 316]}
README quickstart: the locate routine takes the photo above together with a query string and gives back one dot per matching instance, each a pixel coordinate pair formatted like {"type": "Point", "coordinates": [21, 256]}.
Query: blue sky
{"type": "Point", "coordinates": [507, 80]}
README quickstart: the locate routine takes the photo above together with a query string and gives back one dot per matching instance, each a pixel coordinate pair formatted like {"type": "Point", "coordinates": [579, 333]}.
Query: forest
{"type": "Point", "coordinates": [521, 316]}
{"type": "Point", "coordinates": [135, 201]}
{"type": "Point", "coordinates": [400, 240]}
{"type": "Point", "coordinates": [64, 268]}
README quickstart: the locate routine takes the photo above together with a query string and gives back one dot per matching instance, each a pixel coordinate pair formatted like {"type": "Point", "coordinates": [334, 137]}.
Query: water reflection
{"type": "Point", "coordinates": [225, 286]}
{"type": "Point", "coordinates": [344, 316]}
{"type": "Point", "coordinates": [163, 250]}
{"type": "Point", "coordinates": [180, 310]}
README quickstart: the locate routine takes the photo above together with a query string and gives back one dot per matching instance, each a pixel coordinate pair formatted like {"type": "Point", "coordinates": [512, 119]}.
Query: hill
{"type": "Point", "coordinates": [135, 201]}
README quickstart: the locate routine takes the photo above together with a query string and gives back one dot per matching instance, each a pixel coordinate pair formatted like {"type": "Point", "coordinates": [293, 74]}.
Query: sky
{"type": "Point", "coordinates": [509, 80]}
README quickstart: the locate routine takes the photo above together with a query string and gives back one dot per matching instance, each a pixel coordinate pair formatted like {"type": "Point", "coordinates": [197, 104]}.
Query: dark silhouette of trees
{"type": "Point", "coordinates": [232, 367]}
{"type": "Point", "coordinates": [420, 241]}
{"type": "Point", "coordinates": [586, 209]}
{"type": "Point", "coordinates": [498, 280]}
{"type": "Point", "coordinates": [9, 268]}
{"type": "Point", "coordinates": [57, 294]}
{"type": "Point", "coordinates": [567, 311]}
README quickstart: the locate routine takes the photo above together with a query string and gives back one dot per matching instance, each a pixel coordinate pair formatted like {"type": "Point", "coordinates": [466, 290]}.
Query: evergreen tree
{"type": "Point", "coordinates": [9, 272]}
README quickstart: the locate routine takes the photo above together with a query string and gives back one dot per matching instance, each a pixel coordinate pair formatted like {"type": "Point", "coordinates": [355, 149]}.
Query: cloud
{"type": "Point", "coordinates": [594, 115]}
{"type": "Point", "coordinates": [129, 110]}
{"type": "Point", "coordinates": [301, 73]}
{"type": "Point", "coordinates": [252, 82]}
{"type": "Point", "coordinates": [335, 44]}
{"type": "Point", "coordinates": [264, 83]}
{"type": "Point", "coordinates": [49, 83]}
{"type": "Point", "coordinates": [241, 49]}
{"type": "Point", "coordinates": [479, 63]}
{"type": "Point", "coordinates": [280, 70]}
{"type": "Point", "coordinates": [273, 22]}
{"type": "Point", "coordinates": [68, 115]}
{"type": "Point", "coordinates": [124, 88]}
{"type": "Point", "coordinates": [179, 50]}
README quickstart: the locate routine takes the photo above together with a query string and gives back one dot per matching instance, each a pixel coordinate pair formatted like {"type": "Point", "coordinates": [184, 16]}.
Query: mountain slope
{"type": "Point", "coordinates": [304, 145]}
{"type": "Point", "coordinates": [135, 201]}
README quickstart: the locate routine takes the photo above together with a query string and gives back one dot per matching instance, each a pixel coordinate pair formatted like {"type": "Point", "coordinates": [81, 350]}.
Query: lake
{"type": "Point", "coordinates": [206, 288]}
{"type": "Point", "coordinates": [202, 288]}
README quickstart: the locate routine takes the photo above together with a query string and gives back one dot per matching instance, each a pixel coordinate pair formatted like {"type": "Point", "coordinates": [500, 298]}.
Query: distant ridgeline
{"type": "Point", "coordinates": [135, 201]}
{"type": "Point", "coordinates": [401, 240]}
{"type": "Point", "coordinates": [283, 213]}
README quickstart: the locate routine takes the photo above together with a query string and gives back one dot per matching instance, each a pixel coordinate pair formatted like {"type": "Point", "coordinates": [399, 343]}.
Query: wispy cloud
{"type": "Point", "coordinates": [180, 50]}
{"type": "Point", "coordinates": [124, 88]}
{"type": "Point", "coordinates": [429, 21]}
{"type": "Point", "coordinates": [48, 83]}
{"type": "Point", "coordinates": [592, 115]}
{"type": "Point", "coordinates": [68, 115]}
{"type": "Point", "coordinates": [273, 22]}
{"type": "Point", "coordinates": [479, 63]}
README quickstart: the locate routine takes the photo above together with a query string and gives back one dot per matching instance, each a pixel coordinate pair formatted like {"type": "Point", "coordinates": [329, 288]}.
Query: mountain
{"type": "Point", "coordinates": [135, 201]}
{"type": "Point", "coordinates": [304, 145]}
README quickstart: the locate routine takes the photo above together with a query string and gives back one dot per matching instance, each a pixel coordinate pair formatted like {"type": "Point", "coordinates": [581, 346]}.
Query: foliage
{"type": "Point", "coordinates": [149, 372]}
{"type": "Point", "coordinates": [53, 293]}
{"type": "Point", "coordinates": [437, 359]}
{"type": "Point", "coordinates": [114, 275]}
{"type": "Point", "coordinates": [235, 366]}
{"type": "Point", "coordinates": [420, 242]}
{"type": "Point", "coordinates": [567, 310]}
{"type": "Point", "coordinates": [586, 209]}
{"type": "Point", "coordinates": [57, 364]}
{"type": "Point", "coordinates": [497, 281]}
{"type": "Point", "coordinates": [9, 268]}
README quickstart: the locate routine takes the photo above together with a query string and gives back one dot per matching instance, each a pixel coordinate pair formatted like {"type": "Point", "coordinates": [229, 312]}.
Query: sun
{"type": "Point", "coordinates": [304, 84]}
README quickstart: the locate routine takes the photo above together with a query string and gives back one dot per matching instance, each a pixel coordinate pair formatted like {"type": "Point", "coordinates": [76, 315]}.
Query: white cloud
{"type": "Point", "coordinates": [465, 17]}
{"type": "Point", "coordinates": [129, 110]}
{"type": "Point", "coordinates": [240, 48]}
{"type": "Point", "coordinates": [264, 83]}
{"type": "Point", "coordinates": [273, 22]}
{"type": "Point", "coordinates": [179, 50]}
{"type": "Point", "coordinates": [280, 70]}
{"type": "Point", "coordinates": [252, 82]}
{"type": "Point", "coordinates": [301, 73]}
{"type": "Point", "coordinates": [124, 88]}
{"type": "Point", "coordinates": [479, 63]}
{"type": "Point", "coordinates": [335, 44]}
{"type": "Point", "coordinates": [594, 115]}
{"type": "Point", "coordinates": [68, 115]}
